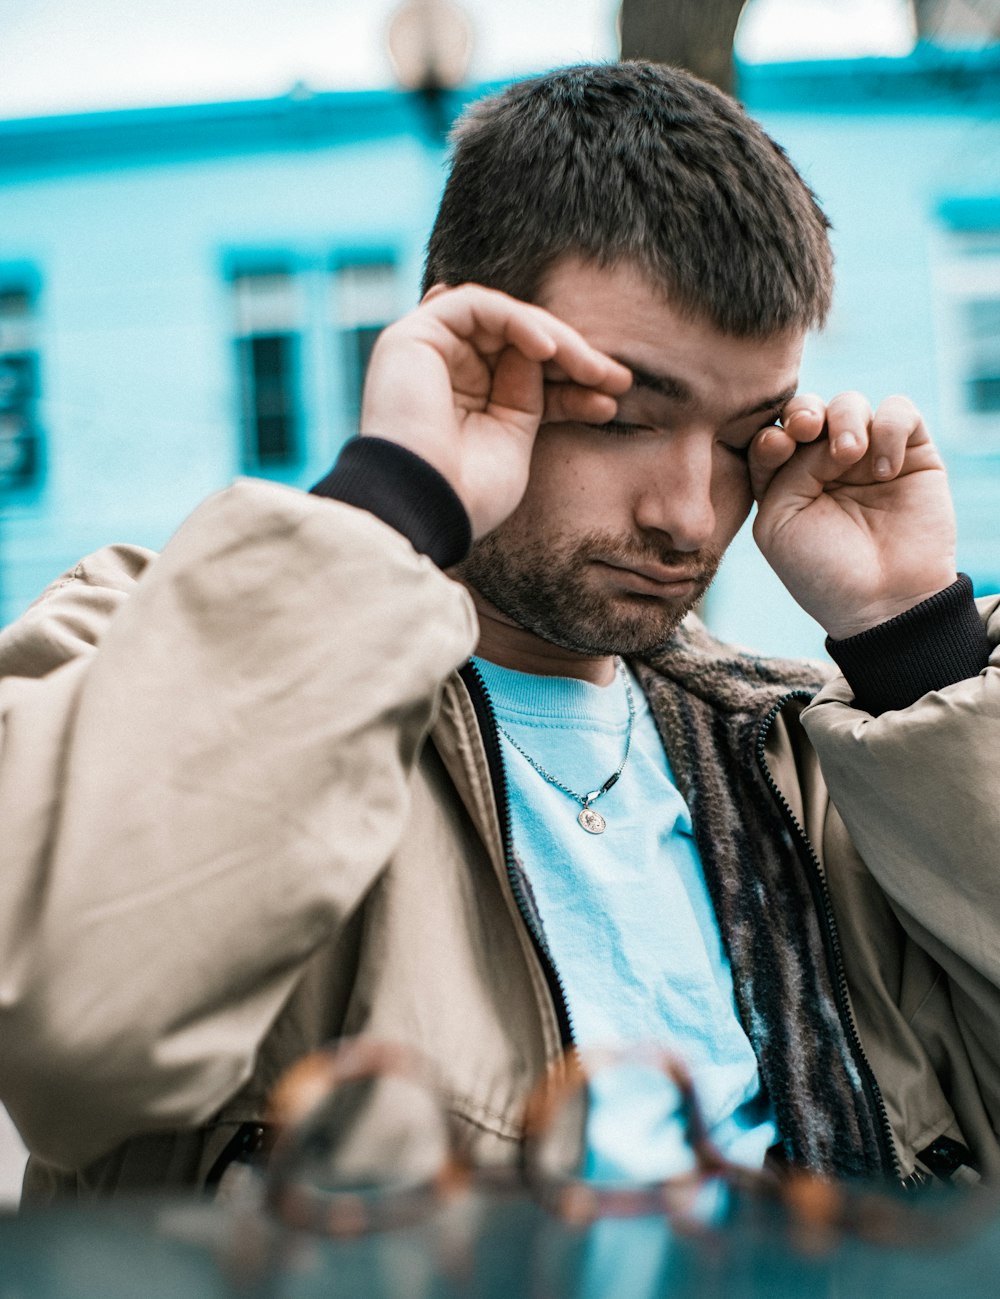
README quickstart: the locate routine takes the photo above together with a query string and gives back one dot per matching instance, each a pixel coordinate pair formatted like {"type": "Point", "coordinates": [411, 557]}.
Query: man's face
{"type": "Point", "coordinates": [623, 525]}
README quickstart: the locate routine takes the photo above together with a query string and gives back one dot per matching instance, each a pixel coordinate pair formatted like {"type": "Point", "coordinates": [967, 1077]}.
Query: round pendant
{"type": "Point", "coordinates": [592, 821]}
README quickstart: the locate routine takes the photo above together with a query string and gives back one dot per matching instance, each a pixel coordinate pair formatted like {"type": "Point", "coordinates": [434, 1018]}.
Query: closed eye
{"type": "Point", "coordinates": [742, 450]}
{"type": "Point", "coordinates": [617, 428]}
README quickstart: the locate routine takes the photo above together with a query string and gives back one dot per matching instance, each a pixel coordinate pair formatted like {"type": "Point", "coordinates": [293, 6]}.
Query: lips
{"type": "Point", "coordinates": [657, 579]}
{"type": "Point", "coordinates": [661, 573]}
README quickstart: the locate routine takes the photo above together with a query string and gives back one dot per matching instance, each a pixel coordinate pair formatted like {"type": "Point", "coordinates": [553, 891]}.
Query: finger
{"type": "Point", "coordinates": [578, 363]}
{"type": "Point", "coordinates": [517, 388]}
{"type": "Point", "coordinates": [572, 403]}
{"type": "Point", "coordinates": [490, 320]}
{"type": "Point", "coordinates": [804, 417]}
{"type": "Point", "coordinates": [555, 374]}
{"type": "Point", "coordinates": [895, 426]}
{"type": "Point", "coordinates": [848, 418]}
{"type": "Point", "coordinates": [803, 420]}
{"type": "Point", "coordinates": [770, 449]}
{"type": "Point", "coordinates": [584, 364]}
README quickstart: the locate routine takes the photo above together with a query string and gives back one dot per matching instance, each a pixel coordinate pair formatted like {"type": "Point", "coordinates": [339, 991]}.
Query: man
{"type": "Point", "coordinates": [255, 795]}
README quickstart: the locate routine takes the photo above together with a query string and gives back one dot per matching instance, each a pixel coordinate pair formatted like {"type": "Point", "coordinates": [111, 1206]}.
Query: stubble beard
{"type": "Point", "coordinates": [545, 589]}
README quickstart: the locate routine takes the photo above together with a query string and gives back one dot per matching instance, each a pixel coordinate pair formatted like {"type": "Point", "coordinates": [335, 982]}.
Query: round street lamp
{"type": "Point", "coordinates": [430, 46]}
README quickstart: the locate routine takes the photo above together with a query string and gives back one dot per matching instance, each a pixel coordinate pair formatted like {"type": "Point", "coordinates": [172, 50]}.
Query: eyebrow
{"type": "Point", "coordinates": [768, 404]}
{"type": "Point", "coordinates": [665, 385]}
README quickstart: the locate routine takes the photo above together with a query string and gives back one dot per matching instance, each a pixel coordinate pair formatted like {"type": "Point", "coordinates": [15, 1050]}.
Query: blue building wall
{"type": "Point", "coordinates": [131, 232]}
{"type": "Point", "coordinates": [886, 144]}
{"type": "Point", "coordinates": [132, 223]}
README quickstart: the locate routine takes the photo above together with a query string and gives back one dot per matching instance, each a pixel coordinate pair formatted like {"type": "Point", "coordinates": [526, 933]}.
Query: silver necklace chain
{"type": "Point", "coordinates": [591, 821]}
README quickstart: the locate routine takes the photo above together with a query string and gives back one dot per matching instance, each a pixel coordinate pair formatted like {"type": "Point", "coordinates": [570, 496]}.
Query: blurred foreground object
{"type": "Point", "coordinates": [430, 48]}
{"type": "Point", "coordinates": [684, 33]}
{"type": "Point", "coordinates": [957, 22]}
{"type": "Point", "coordinates": [361, 1142]}
{"type": "Point", "coordinates": [364, 1197]}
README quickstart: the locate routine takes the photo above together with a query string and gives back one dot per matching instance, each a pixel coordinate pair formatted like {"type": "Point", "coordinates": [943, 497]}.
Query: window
{"type": "Point", "coordinates": [968, 282]}
{"type": "Point", "coordinates": [20, 436]}
{"type": "Point", "coordinates": [305, 321]}
{"type": "Point", "coordinates": [981, 331]}
{"type": "Point", "coordinates": [365, 299]}
{"type": "Point", "coordinates": [267, 357]}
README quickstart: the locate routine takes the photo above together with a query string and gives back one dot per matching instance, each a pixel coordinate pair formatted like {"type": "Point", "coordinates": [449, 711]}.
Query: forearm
{"type": "Point", "coordinates": [191, 809]}
{"type": "Point", "coordinates": [916, 787]}
{"type": "Point", "coordinates": [404, 491]}
{"type": "Point", "coordinates": [935, 644]}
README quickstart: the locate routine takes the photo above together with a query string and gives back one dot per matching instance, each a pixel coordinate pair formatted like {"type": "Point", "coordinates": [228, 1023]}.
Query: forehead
{"type": "Point", "coordinates": [621, 311]}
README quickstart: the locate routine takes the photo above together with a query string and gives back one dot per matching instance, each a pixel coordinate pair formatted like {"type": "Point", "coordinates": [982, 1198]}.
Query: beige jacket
{"type": "Point", "coordinates": [225, 840]}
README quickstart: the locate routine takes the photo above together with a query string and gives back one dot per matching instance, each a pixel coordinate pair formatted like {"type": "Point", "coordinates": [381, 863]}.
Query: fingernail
{"type": "Point", "coordinates": [846, 442]}
{"type": "Point", "coordinates": [883, 467]}
{"type": "Point", "coordinates": [799, 417]}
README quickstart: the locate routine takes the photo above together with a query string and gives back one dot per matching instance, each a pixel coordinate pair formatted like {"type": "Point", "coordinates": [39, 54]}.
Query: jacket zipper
{"type": "Point", "coordinates": [486, 717]}
{"type": "Point", "coordinates": [831, 939]}
{"type": "Point", "coordinates": [488, 727]}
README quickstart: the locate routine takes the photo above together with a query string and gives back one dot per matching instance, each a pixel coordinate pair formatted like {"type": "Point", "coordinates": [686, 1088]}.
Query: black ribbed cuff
{"type": "Point", "coordinates": [933, 645]}
{"type": "Point", "coordinates": [404, 491]}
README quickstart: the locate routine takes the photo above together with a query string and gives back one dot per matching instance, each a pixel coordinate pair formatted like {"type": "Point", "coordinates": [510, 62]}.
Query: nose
{"type": "Point", "coordinates": [674, 495]}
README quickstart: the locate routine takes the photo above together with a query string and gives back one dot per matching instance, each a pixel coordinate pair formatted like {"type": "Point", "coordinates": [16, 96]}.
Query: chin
{"type": "Point", "coordinates": [627, 631]}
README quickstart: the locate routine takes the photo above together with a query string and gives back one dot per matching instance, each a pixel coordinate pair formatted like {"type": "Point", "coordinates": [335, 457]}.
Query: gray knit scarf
{"type": "Point", "coordinates": [709, 702]}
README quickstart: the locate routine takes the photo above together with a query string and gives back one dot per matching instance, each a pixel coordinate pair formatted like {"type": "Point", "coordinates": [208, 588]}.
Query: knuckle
{"type": "Point", "coordinates": [850, 403]}
{"type": "Point", "coordinates": [896, 416]}
{"type": "Point", "coordinates": [902, 411]}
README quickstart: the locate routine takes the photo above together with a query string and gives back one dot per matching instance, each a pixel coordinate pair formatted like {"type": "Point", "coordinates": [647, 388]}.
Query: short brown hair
{"type": "Point", "coordinates": [634, 161]}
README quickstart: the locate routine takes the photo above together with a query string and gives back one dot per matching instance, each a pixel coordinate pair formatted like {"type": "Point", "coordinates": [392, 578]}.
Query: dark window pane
{"type": "Point", "coordinates": [19, 454]}
{"type": "Point", "coordinates": [267, 391]}
{"type": "Point", "coordinates": [363, 340]}
{"type": "Point", "coordinates": [14, 303]}
{"type": "Point", "coordinates": [358, 343]}
{"type": "Point", "coordinates": [983, 393]}
{"type": "Point", "coordinates": [983, 318]}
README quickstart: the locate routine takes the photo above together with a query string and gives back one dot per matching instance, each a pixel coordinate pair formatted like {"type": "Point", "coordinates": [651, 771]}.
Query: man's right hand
{"type": "Point", "coordinates": [466, 379]}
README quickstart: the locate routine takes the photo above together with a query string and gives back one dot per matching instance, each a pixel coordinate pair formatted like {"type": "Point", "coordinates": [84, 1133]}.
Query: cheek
{"type": "Point", "coordinates": [731, 494]}
{"type": "Point", "coordinates": [555, 502]}
{"type": "Point", "coordinates": [571, 477]}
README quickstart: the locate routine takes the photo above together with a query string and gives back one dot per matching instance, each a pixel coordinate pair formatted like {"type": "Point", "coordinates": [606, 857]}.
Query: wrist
{"type": "Point", "coordinates": [404, 491]}
{"type": "Point", "coordinates": [931, 645]}
{"type": "Point", "coordinates": [859, 621]}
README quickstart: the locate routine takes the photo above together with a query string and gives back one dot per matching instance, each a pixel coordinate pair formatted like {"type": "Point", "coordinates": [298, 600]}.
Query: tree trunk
{"type": "Point", "coordinates": [944, 18]}
{"type": "Point", "coordinates": [693, 34]}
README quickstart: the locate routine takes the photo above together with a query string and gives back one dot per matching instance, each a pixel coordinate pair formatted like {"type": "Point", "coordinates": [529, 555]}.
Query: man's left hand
{"type": "Point", "coordinates": [854, 513]}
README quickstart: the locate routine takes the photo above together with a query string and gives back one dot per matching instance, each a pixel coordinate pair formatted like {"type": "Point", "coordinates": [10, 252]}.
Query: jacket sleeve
{"type": "Point", "coordinates": [919, 789]}
{"type": "Point", "coordinates": [203, 767]}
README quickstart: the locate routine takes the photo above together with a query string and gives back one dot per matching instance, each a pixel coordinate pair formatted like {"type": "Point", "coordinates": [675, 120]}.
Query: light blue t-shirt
{"type": "Point", "coordinates": [627, 918]}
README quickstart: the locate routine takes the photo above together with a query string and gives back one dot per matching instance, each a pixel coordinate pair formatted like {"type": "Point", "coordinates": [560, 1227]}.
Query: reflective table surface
{"type": "Point", "coordinates": [484, 1244]}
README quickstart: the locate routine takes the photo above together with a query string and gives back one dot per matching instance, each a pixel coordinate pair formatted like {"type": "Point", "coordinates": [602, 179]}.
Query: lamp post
{"type": "Point", "coordinates": [430, 46]}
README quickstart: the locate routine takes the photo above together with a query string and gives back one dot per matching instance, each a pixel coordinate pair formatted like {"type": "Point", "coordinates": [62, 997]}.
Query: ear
{"type": "Point", "coordinates": [435, 291]}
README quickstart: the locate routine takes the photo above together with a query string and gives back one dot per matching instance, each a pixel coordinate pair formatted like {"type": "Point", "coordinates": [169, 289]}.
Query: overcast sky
{"type": "Point", "coordinates": [68, 55]}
